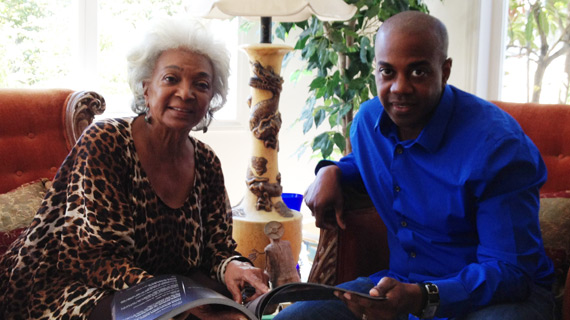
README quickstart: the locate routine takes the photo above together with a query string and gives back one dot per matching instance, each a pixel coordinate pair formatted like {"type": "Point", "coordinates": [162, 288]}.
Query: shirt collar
{"type": "Point", "coordinates": [431, 136]}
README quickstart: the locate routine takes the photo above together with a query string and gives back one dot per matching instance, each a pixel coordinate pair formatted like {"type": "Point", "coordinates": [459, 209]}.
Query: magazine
{"type": "Point", "coordinates": [165, 296]}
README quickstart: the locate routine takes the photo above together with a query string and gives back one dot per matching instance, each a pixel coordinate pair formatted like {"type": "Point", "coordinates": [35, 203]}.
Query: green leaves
{"type": "Point", "coordinates": [319, 117]}
{"type": "Point", "coordinates": [365, 47]}
{"type": "Point", "coordinates": [326, 141]}
{"type": "Point", "coordinates": [318, 82]}
{"type": "Point", "coordinates": [339, 141]}
{"type": "Point", "coordinates": [281, 32]}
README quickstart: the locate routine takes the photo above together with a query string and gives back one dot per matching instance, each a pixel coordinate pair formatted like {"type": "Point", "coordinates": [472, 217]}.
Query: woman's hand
{"type": "Point", "coordinates": [239, 274]}
{"type": "Point", "coordinates": [401, 298]}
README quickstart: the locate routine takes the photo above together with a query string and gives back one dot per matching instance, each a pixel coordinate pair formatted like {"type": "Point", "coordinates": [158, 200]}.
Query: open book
{"type": "Point", "coordinates": [164, 297]}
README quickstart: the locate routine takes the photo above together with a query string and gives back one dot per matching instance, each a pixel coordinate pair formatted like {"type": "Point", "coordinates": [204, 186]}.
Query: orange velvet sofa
{"type": "Point", "coordinates": [361, 249]}
{"type": "Point", "coordinates": [38, 128]}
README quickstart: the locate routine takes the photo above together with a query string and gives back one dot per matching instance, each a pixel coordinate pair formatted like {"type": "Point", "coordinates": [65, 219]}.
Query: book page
{"type": "Point", "coordinates": [166, 296]}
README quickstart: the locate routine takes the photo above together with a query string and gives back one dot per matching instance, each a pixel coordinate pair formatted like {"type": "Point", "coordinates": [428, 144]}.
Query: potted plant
{"type": "Point", "coordinates": [340, 55]}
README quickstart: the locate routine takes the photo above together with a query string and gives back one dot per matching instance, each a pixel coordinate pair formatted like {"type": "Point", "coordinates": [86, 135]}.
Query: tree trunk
{"type": "Point", "coordinates": [542, 57]}
{"type": "Point", "coordinates": [347, 119]}
{"type": "Point", "coordinates": [538, 77]}
{"type": "Point", "coordinates": [564, 97]}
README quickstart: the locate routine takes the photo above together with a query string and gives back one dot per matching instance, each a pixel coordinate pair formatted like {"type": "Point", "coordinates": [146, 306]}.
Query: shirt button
{"type": "Point", "coordinates": [399, 150]}
{"type": "Point", "coordinates": [404, 224]}
{"type": "Point", "coordinates": [397, 188]}
{"type": "Point", "coordinates": [412, 254]}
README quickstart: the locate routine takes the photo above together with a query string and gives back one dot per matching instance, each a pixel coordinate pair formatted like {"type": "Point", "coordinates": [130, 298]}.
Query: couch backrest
{"type": "Point", "coordinates": [37, 130]}
{"type": "Point", "coordinates": [548, 126]}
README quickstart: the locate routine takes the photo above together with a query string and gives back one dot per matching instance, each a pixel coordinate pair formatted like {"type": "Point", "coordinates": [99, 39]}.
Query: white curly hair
{"type": "Point", "coordinates": [178, 32]}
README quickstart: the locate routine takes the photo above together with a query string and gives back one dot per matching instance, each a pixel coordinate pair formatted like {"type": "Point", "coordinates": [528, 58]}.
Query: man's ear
{"type": "Point", "coordinates": [446, 70]}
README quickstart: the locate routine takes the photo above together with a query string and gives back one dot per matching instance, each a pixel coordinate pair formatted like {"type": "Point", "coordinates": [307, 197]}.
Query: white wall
{"type": "Point", "coordinates": [476, 31]}
{"type": "Point", "coordinates": [461, 22]}
{"type": "Point", "coordinates": [232, 145]}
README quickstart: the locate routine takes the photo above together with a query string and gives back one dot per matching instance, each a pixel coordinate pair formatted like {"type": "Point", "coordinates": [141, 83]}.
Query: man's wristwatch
{"type": "Point", "coordinates": [430, 294]}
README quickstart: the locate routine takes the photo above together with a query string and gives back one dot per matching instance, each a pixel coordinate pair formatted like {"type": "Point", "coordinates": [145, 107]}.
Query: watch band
{"type": "Point", "coordinates": [431, 298]}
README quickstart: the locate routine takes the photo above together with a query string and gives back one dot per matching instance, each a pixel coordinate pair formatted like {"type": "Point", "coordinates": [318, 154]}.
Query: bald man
{"type": "Point", "coordinates": [456, 182]}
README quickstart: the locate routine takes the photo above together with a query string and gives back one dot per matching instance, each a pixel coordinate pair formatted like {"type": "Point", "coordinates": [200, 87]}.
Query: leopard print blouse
{"type": "Point", "coordinates": [101, 228]}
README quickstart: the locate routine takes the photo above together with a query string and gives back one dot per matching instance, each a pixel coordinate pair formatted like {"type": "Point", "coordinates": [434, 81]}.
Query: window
{"type": "Point", "coordinates": [487, 61]}
{"type": "Point", "coordinates": [37, 44]}
{"type": "Point", "coordinates": [537, 56]}
{"type": "Point", "coordinates": [82, 44]}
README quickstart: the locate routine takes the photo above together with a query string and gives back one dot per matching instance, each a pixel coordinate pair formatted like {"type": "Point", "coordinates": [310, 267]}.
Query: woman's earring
{"type": "Point", "coordinates": [147, 114]}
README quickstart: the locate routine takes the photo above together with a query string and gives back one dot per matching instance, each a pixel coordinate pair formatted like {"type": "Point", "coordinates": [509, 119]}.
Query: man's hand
{"type": "Point", "coordinates": [402, 298]}
{"type": "Point", "coordinates": [324, 196]}
{"type": "Point", "coordinates": [239, 274]}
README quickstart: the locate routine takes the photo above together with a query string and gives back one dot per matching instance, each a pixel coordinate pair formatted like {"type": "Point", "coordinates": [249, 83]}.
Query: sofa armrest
{"type": "Point", "coordinates": [359, 250]}
{"type": "Point", "coordinates": [82, 106]}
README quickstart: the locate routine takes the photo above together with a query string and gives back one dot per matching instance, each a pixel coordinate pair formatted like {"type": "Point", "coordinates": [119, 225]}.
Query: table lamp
{"type": "Point", "coordinates": [262, 202]}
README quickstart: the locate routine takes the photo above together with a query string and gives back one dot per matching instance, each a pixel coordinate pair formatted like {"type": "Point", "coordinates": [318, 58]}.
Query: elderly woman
{"type": "Point", "coordinates": [136, 197]}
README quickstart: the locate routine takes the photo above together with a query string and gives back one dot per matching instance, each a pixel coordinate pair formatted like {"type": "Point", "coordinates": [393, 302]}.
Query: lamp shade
{"type": "Point", "coordinates": [278, 10]}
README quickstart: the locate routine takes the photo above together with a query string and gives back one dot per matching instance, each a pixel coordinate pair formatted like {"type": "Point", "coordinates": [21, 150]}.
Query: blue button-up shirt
{"type": "Point", "coordinates": [460, 201]}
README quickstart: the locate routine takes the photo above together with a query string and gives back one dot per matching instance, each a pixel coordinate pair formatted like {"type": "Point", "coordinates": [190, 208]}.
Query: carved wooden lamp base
{"type": "Point", "coordinates": [252, 241]}
{"type": "Point", "coordinates": [262, 202]}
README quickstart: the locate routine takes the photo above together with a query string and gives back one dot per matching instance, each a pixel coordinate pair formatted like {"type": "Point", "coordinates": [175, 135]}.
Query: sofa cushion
{"type": "Point", "coordinates": [6, 238]}
{"type": "Point", "coordinates": [554, 217]}
{"type": "Point", "coordinates": [17, 209]}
